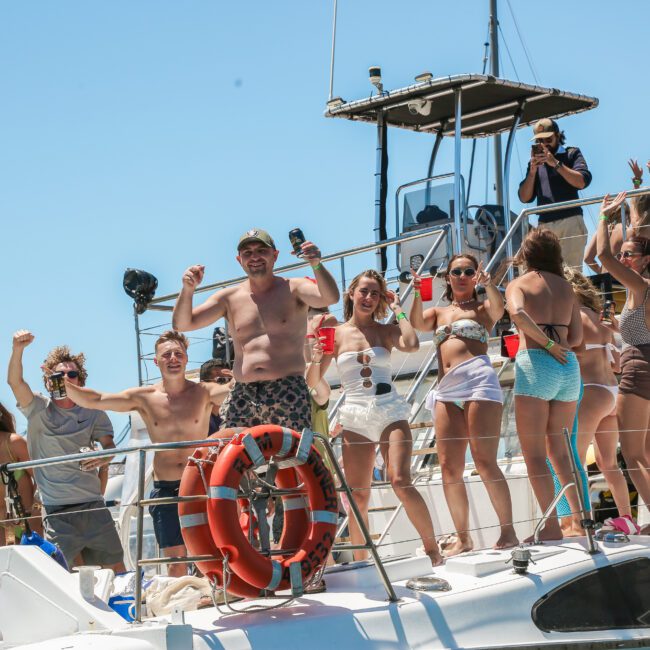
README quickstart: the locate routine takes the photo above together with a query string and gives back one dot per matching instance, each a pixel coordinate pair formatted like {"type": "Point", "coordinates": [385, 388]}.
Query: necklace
{"type": "Point", "coordinates": [458, 303]}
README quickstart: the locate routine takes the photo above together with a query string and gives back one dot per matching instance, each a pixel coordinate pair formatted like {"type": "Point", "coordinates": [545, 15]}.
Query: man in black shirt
{"type": "Point", "coordinates": [555, 174]}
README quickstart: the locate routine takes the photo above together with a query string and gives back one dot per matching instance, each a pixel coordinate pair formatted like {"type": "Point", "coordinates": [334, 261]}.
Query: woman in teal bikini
{"type": "Point", "coordinates": [13, 449]}
{"type": "Point", "coordinates": [547, 375]}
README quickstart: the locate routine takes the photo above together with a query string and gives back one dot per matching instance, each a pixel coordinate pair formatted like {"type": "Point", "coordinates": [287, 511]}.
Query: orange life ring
{"type": "Point", "coordinates": [253, 448]}
{"type": "Point", "coordinates": [194, 522]}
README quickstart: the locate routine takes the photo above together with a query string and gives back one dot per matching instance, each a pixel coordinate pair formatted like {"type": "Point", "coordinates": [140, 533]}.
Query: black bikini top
{"type": "Point", "coordinates": [550, 330]}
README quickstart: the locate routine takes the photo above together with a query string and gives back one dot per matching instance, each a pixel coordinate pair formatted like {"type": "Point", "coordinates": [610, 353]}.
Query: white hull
{"type": "Point", "coordinates": [488, 606]}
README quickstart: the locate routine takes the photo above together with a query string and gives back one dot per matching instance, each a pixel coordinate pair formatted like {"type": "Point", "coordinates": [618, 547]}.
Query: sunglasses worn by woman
{"type": "Point", "coordinates": [373, 412]}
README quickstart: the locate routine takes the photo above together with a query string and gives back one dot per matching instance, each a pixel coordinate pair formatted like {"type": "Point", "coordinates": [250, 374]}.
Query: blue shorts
{"type": "Point", "coordinates": [166, 523]}
{"type": "Point", "coordinates": [538, 374]}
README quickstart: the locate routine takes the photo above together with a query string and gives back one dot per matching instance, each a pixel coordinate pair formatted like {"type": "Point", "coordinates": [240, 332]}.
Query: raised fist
{"type": "Point", "coordinates": [193, 276]}
{"type": "Point", "coordinates": [22, 338]}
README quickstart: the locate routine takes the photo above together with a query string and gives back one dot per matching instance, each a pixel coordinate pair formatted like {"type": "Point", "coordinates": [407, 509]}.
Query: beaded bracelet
{"type": "Point", "coordinates": [401, 316]}
{"type": "Point", "coordinates": [549, 345]}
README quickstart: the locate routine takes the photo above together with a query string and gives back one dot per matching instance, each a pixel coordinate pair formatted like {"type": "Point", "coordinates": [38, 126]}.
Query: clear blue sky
{"type": "Point", "coordinates": [152, 133]}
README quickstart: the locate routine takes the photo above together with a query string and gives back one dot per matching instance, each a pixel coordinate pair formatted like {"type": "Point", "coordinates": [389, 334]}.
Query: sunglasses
{"type": "Point", "coordinates": [626, 255]}
{"type": "Point", "coordinates": [468, 273]}
{"type": "Point", "coordinates": [72, 374]}
{"type": "Point", "coordinates": [217, 380]}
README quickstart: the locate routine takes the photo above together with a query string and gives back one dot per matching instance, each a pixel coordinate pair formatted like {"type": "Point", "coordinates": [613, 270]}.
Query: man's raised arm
{"type": "Point", "coordinates": [122, 402]}
{"type": "Point", "coordinates": [15, 379]}
{"type": "Point", "coordinates": [326, 291]}
{"type": "Point", "coordinates": [185, 318]}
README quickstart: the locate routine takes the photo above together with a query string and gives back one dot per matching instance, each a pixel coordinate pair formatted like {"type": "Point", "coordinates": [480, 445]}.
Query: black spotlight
{"type": "Point", "coordinates": [141, 286]}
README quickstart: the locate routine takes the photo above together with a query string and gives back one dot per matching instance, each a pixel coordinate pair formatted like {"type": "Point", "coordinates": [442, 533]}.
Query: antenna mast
{"type": "Point", "coordinates": [494, 70]}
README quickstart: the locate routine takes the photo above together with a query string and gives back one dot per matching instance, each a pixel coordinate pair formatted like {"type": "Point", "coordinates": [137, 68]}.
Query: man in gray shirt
{"type": "Point", "coordinates": [77, 519]}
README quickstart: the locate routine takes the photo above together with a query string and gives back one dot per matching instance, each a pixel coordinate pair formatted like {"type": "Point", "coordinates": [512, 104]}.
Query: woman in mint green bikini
{"type": "Point", "coordinates": [547, 376]}
{"type": "Point", "coordinates": [13, 449]}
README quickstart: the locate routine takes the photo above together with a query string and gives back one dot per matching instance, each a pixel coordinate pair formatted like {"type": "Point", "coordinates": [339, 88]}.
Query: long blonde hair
{"type": "Point", "coordinates": [584, 290]}
{"type": "Point", "coordinates": [382, 307]}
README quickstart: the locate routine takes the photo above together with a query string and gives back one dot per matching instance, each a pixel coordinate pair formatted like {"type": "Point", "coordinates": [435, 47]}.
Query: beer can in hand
{"type": "Point", "coordinates": [297, 239]}
{"type": "Point", "coordinates": [57, 386]}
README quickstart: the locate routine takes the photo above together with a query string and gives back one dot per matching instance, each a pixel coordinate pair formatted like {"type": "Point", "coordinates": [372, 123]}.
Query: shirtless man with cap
{"type": "Point", "coordinates": [267, 318]}
{"type": "Point", "coordinates": [174, 409]}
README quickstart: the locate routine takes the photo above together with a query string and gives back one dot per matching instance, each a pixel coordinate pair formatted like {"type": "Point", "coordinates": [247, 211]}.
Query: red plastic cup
{"type": "Point", "coordinates": [426, 288]}
{"type": "Point", "coordinates": [512, 345]}
{"type": "Point", "coordinates": [326, 335]}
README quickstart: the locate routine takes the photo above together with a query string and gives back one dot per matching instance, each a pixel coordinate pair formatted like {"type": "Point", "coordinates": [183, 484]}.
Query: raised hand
{"type": "Point", "coordinates": [609, 206]}
{"type": "Point", "coordinates": [310, 252]}
{"type": "Point", "coordinates": [482, 277]}
{"type": "Point", "coordinates": [393, 301]}
{"type": "Point", "coordinates": [636, 170]}
{"type": "Point", "coordinates": [22, 338]}
{"type": "Point", "coordinates": [417, 280]}
{"type": "Point", "coordinates": [193, 276]}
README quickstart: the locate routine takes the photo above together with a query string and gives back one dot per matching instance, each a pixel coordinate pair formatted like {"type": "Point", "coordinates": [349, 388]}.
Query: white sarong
{"type": "Point", "coordinates": [471, 380]}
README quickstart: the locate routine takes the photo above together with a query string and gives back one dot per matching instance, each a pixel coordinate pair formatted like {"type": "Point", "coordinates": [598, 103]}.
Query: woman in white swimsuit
{"type": "Point", "coordinates": [467, 401]}
{"type": "Point", "coordinates": [597, 413]}
{"type": "Point", "coordinates": [373, 412]}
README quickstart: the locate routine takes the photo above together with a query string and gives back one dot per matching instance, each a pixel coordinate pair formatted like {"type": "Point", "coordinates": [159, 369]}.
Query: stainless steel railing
{"type": "Point", "coordinates": [543, 209]}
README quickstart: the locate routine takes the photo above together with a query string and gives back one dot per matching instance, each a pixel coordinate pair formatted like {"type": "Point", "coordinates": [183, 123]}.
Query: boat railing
{"type": "Point", "coordinates": [346, 258]}
{"type": "Point", "coordinates": [552, 207]}
{"type": "Point", "coordinates": [142, 502]}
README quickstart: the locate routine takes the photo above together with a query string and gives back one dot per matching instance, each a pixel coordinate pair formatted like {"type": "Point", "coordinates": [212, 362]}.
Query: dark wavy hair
{"type": "Point", "coordinates": [382, 307]}
{"type": "Point", "coordinates": [541, 251]}
{"type": "Point", "coordinates": [449, 294]}
{"type": "Point", "coordinates": [7, 420]}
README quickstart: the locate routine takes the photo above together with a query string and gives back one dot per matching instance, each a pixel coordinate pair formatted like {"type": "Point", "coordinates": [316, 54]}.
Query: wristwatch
{"type": "Point", "coordinates": [558, 165]}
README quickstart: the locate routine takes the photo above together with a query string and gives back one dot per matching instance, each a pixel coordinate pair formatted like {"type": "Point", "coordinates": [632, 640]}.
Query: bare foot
{"type": "Point", "coordinates": [573, 530]}
{"type": "Point", "coordinates": [459, 546]}
{"type": "Point", "coordinates": [550, 532]}
{"type": "Point", "coordinates": [435, 557]}
{"type": "Point", "coordinates": [508, 538]}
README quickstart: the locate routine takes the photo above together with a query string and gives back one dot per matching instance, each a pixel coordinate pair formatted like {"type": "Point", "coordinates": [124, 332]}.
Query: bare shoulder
{"type": "Point", "coordinates": [143, 394]}
{"type": "Point", "coordinates": [17, 441]}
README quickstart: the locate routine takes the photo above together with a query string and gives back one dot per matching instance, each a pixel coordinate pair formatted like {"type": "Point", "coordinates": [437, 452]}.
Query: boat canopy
{"type": "Point", "coordinates": [489, 105]}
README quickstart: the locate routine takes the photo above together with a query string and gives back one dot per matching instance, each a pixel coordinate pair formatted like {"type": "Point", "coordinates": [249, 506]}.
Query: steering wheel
{"type": "Point", "coordinates": [486, 227]}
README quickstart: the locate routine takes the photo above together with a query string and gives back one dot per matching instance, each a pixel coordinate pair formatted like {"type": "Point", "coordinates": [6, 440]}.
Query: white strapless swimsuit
{"type": "Point", "coordinates": [371, 401]}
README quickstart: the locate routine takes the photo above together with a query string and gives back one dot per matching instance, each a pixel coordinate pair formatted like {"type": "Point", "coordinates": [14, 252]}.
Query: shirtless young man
{"type": "Point", "coordinates": [174, 409]}
{"type": "Point", "coordinates": [267, 318]}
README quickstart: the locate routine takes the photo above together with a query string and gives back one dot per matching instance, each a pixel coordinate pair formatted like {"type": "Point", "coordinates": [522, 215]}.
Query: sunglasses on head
{"type": "Point", "coordinates": [627, 254]}
{"type": "Point", "coordinates": [71, 374]}
{"type": "Point", "coordinates": [468, 272]}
